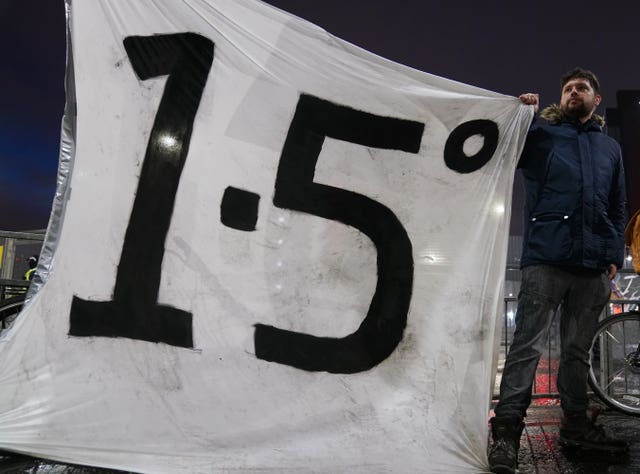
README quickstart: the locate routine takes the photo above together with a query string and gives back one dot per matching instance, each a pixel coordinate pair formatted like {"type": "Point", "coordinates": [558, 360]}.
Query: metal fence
{"type": "Point", "coordinates": [15, 250]}
{"type": "Point", "coordinates": [17, 247]}
{"type": "Point", "coordinates": [544, 385]}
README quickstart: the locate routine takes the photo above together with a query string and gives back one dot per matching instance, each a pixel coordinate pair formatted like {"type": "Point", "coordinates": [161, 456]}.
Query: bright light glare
{"type": "Point", "coordinates": [168, 141]}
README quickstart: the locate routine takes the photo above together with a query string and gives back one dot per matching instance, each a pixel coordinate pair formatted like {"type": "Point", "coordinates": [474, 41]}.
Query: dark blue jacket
{"type": "Point", "coordinates": [575, 208]}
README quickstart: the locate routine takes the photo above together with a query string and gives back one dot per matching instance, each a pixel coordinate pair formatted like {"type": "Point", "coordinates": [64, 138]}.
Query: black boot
{"type": "Point", "coordinates": [503, 454]}
{"type": "Point", "coordinates": [578, 431]}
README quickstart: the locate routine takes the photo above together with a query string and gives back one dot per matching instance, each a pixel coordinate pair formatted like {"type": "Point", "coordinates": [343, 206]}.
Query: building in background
{"type": "Point", "coordinates": [623, 124]}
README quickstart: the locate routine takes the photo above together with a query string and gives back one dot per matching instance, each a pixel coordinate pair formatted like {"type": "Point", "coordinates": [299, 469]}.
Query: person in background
{"type": "Point", "coordinates": [33, 263]}
{"type": "Point", "coordinates": [575, 212]}
{"type": "Point", "coordinates": [632, 240]}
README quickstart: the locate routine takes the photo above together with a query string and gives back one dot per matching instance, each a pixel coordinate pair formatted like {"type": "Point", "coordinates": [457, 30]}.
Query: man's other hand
{"type": "Point", "coordinates": [530, 99]}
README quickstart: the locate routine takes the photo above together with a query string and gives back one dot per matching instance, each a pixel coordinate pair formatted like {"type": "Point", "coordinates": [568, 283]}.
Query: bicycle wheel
{"type": "Point", "coordinates": [10, 307]}
{"type": "Point", "coordinates": [614, 373]}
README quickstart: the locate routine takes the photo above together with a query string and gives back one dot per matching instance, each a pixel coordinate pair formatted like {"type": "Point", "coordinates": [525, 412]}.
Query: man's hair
{"type": "Point", "coordinates": [579, 73]}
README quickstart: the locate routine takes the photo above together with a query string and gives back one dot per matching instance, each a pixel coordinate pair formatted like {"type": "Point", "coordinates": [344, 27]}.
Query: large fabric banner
{"type": "Point", "coordinates": [270, 251]}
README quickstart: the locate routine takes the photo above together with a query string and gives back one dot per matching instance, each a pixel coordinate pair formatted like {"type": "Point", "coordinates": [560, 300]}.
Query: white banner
{"type": "Point", "coordinates": [279, 253]}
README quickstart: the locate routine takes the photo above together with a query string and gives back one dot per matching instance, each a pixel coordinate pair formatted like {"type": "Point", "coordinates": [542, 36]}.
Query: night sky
{"type": "Point", "coordinates": [505, 46]}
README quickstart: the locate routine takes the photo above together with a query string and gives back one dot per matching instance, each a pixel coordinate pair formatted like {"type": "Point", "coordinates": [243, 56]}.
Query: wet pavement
{"type": "Point", "coordinates": [539, 450]}
{"type": "Point", "coordinates": [541, 454]}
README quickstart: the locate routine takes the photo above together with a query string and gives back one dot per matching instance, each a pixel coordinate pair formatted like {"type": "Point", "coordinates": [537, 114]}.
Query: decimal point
{"type": "Point", "coordinates": [239, 209]}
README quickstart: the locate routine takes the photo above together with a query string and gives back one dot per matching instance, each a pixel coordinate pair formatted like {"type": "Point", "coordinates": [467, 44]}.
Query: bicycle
{"type": "Point", "coordinates": [614, 373]}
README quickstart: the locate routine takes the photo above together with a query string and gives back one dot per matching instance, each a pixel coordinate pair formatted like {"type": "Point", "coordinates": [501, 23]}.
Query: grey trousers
{"type": "Point", "coordinates": [543, 288]}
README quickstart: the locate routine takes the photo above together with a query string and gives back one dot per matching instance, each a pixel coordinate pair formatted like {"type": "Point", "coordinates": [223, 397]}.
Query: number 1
{"type": "Point", "coordinates": [134, 311]}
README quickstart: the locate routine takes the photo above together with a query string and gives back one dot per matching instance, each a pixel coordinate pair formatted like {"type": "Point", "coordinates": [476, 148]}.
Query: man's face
{"type": "Point", "coordinates": [579, 99]}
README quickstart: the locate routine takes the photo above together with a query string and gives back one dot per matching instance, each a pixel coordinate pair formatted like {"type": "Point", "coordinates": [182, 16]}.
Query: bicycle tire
{"type": "Point", "coordinates": [11, 306]}
{"type": "Point", "coordinates": [614, 362]}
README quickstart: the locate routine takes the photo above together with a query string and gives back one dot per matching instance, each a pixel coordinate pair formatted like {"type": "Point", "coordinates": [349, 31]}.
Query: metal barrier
{"type": "Point", "coordinates": [18, 246]}
{"type": "Point", "coordinates": [544, 384]}
{"type": "Point", "coordinates": [15, 249]}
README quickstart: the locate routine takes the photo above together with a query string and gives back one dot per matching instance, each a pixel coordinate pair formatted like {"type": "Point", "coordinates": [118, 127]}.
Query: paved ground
{"type": "Point", "coordinates": [540, 453]}
{"type": "Point", "coordinates": [539, 450]}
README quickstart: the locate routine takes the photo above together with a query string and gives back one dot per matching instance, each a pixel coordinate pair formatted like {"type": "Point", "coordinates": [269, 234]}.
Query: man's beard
{"type": "Point", "coordinates": [579, 110]}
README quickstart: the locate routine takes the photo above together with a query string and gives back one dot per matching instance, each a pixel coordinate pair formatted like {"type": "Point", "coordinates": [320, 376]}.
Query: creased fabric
{"type": "Point", "coordinates": [272, 250]}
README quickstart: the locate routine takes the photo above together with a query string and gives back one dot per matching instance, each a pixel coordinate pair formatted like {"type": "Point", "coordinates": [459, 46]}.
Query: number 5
{"type": "Point", "coordinates": [381, 330]}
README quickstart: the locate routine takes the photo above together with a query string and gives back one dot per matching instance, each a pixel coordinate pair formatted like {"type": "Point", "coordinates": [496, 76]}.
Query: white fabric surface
{"type": "Point", "coordinates": [216, 407]}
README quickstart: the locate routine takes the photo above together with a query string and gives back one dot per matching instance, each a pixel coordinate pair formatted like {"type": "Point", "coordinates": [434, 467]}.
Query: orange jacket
{"type": "Point", "coordinates": [632, 239]}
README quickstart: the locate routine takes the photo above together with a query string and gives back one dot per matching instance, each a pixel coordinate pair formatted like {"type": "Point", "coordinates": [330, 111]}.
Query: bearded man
{"type": "Point", "coordinates": [573, 244]}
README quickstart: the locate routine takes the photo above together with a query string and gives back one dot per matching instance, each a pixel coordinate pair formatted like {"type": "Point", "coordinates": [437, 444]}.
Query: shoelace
{"type": "Point", "coordinates": [502, 445]}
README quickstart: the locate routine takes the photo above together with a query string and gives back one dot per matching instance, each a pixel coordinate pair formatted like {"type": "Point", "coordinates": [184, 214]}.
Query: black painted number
{"type": "Point", "coordinates": [134, 311]}
{"type": "Point", "coordinates": [381, 330]}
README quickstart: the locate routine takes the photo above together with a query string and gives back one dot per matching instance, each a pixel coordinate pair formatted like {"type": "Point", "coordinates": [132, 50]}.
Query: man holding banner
{"type": "Point", "coordinates": [573, 244]}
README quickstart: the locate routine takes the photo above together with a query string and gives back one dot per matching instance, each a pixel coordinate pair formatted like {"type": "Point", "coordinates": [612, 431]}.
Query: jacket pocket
{"type": "Point", "coordinates": [551, 236]}
{"type": "Point", "coordinates": [611, 248]}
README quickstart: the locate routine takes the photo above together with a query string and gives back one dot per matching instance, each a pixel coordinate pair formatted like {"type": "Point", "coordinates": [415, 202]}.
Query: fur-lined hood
{"type": "Point", "coordinates": [553, 114]}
